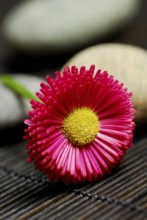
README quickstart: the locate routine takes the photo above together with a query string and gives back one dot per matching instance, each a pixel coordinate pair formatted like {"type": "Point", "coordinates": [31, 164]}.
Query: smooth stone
{"type": "Point", "coordinates": [62, 25]}
{"type": "Point", "coordinates": [126, 63]}
{"type": "Point", "coordinates": [14, 109]}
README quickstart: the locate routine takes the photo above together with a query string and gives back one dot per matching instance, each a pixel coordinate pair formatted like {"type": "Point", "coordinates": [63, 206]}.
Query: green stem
{"type": "Point", "coordinates": [11, 83]}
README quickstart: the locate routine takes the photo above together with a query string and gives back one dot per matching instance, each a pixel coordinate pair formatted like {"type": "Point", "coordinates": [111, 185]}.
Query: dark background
{"type": "Point", "coordinates": [12, 61]}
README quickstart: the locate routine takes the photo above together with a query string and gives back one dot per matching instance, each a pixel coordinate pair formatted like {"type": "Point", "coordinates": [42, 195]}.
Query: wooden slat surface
{"type": "Point", "coordinates": [26, 194]}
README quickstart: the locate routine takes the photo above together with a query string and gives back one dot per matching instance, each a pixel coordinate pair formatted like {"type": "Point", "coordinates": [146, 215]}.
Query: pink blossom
{"type": "Point", "coordinates": [82, 126]}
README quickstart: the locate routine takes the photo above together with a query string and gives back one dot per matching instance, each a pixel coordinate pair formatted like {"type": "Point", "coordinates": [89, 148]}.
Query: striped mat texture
{"type": "Point", "coordinates": [26, 194]}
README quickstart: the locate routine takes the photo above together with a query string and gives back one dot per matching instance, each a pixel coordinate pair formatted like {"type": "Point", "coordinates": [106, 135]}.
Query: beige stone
{"type": "Point", "coordinates": [127, 63]}
{"type": "Point", "coordinates": [56, 26]}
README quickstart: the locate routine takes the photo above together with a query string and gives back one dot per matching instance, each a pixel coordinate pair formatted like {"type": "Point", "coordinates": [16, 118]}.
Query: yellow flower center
{"type": "Point", "coordinates": [81, 126]}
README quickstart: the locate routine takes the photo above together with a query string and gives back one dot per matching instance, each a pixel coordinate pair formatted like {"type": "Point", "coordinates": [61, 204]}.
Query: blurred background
{"type": "Point", "coordinates": [38, 37]}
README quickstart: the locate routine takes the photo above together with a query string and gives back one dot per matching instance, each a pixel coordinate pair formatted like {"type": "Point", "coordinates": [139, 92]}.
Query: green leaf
{"type": "Point", "coordinates": [11, 83]}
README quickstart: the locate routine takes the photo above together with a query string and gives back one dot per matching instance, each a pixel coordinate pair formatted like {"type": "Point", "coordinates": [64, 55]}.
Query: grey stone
{"type": "Point", "coordinates": [13, 109]}
{"type": "Point", "coordinates": [127, 63]}
{"type": "Point", "coordinates": [63, 25]}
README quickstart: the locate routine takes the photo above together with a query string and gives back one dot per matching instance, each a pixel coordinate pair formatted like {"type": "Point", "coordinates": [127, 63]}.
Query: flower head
{"type": "Point", "coordinates": [82, 127]}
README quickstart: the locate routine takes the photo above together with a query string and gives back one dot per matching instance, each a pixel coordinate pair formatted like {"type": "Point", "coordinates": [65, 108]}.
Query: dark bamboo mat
{"type": "Point", "coordinates": [26, 194]}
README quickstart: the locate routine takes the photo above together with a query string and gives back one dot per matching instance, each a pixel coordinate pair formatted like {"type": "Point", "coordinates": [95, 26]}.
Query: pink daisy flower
{"type": "Point", "coordinates": [82, 127]}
